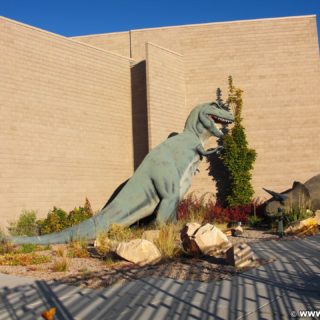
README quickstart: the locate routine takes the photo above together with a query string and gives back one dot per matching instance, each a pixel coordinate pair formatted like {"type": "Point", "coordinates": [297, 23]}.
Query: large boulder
{"type": "Point", "coordinates": [139, 251]}
{"type": "Point", "coordinates": [206, 239]}
{"type": "Point", "coordinates": [186, 236]}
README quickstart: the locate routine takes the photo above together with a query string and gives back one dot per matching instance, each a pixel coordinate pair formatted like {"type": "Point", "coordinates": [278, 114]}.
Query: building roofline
{"type": "Point", "coordinates": [68, 39]}
{"type": "Point", "coordinates": [100, 34]}
{"type": "Point", "coordinates": [196, 25]}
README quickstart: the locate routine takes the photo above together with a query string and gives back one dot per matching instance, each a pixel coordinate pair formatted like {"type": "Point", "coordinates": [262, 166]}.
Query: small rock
{"type": "Point", "coordinates": [240, 255]}
{"type": "Point", "coordinates": [151, 235]}
{"type": "Point", "coordinates": [139, 251]}
{"type": "Point", "coordinates": [236, 232]}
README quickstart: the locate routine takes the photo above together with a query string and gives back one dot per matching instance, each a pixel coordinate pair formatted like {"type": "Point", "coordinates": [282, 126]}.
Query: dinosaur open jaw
{"type": "Point", "coordinates": [217, 119]}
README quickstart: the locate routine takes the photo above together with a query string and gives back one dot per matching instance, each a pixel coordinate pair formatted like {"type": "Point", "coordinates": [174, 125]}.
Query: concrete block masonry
{"type": "Point", "coordinates": [74, 125]}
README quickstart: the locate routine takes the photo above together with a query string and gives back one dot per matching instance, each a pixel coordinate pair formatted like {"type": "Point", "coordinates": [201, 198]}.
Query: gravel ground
{"type": "Point", "coordinates": [94, 272]}
{"type": "Point", "coordinates": [253, 236]}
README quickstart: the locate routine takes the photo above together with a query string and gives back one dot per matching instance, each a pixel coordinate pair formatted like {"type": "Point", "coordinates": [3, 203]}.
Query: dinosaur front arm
{"type": "Point", "coordinates": [203, 152]}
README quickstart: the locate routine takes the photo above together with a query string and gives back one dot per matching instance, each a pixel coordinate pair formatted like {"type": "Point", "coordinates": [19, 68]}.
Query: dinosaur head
{"type": "Point", "coordinates": [205, 119]}
{"type": "Point", "coordinates": [295, 198]}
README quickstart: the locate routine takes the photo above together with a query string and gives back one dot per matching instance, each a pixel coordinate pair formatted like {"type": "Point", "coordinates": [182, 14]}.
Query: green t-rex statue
{"type": "Point", "coordinates": [160, 182]}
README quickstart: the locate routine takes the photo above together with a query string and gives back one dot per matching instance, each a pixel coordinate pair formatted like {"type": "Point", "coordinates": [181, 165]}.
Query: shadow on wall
{"type": "Point", "coordinates": [140, 132]}
{"type": "Point", "coordinates": [268, 292]}
{"type": "Point", "coordinates": [219, 174]}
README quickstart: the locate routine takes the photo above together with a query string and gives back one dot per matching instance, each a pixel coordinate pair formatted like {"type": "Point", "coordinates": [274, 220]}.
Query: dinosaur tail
{"type": "Point", "coordinates": [86, 230]}
{"type": "Point", "coordinates": [130, 205]}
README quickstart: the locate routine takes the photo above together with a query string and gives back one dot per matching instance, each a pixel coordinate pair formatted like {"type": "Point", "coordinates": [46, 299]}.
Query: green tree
{"type": "Point", "coordinates": [25, 225]}
{"type": "Point", "coordinates": [219, 99]}
{"type": "Point", "coordinates": [80, 214]}
{"type": "Point", "coordinates": [55, 221]}
{"type": "Point", "coordinates": [237, 157]}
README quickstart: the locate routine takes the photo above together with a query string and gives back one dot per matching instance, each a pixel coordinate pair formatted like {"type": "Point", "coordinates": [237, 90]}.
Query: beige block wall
{"type": "Point", "coordinates": [118, 42]}
{"type": "Point", "coordinates": [60, 136]}
{"type": "Point", "coordinates": [165, 93]}
{"type": "Point", "coordinates": [66, 125]}
{"type": "Point", "coordinates": [276, 63]}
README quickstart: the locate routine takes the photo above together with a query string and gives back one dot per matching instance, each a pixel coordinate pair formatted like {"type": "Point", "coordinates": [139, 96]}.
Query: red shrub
{"type": "Point", "coordinates": [190, 204]}
{"type": "Point", "coordinates": [214, 212]}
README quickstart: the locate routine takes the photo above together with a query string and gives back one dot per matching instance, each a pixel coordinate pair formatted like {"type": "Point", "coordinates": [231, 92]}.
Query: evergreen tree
{"type": "Point", "coordinates": [237, 157]}
{"type": "Point", "coordinates": [219, 97]}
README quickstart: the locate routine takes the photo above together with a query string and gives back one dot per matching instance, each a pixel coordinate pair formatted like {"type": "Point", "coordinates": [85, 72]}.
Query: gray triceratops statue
{"type": "Point", "coordinates": [305, 195]}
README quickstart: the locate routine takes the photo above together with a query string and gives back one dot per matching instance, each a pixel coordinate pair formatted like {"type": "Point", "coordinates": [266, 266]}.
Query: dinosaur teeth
{"type": "Point", "coordinates": [220, 120]}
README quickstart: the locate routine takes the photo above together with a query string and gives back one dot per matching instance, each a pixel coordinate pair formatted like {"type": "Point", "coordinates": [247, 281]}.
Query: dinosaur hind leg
{"type": "Point", "coordinates": [167, 209]}
{"type": "Point", "coordinates": [168, 189]}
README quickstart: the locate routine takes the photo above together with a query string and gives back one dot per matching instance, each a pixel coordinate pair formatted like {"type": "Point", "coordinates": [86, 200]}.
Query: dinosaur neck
{"type": "Point", "coordinates": [195, 127]}
{"type": "Point", "coordinates": [205, 136]}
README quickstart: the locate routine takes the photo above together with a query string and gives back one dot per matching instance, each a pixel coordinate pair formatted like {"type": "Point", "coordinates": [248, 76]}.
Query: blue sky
{"type": "Point", "coordinates": [80, 17]}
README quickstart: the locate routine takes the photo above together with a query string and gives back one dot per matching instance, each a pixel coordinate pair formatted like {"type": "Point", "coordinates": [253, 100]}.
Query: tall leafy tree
{"type": "Point", "coordinates": [237, 157]}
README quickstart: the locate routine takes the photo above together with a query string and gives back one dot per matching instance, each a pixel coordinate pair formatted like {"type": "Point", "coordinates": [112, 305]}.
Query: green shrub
{"type": "Point", "coordinates": [27, 248]}
{"type": "Point", "coordinates": [5, 245]}
{"type": "Point", "coordinates": [56, 221]}
{"type": "Point", "coordinates": [295, 213]}
{"type": "Point", "coordinates": [254, 221]}
{"type": "Point", "coordinates": [26, 225]}
{"type": "Point", "coordinates": [80, 214]}
{"type": "Point", "coordinates": [237, 157]}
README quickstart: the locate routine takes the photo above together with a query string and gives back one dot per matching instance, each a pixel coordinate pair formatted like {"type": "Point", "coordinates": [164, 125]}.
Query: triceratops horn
{"type": "Point", "coordinates": [278, 196]}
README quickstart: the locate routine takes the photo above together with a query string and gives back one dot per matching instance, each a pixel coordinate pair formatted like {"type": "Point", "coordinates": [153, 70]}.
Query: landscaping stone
{"type": "Point", "coordinates": [317, 217]}
{"type": "Point", "coordinates": [186, 236]}
{"type": "Point", "coordinates": [190, 229]}
{"type": "Point", "coordinates": [207, 239]}
{"type": "Point", "coordinates": [238, 231]}
{"type": "Point", "coordinates": [240, 255]}
{"type": "Point", "coordinates": [139, 251]}
{"type": "Point", "coordinates": [304, 227]}
{"type": "Point", "coordinates": [151, 235]}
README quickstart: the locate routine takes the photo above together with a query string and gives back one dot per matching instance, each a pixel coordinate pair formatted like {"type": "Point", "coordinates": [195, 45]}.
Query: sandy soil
{"type": "Point", "coordinates": [95, 272]}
